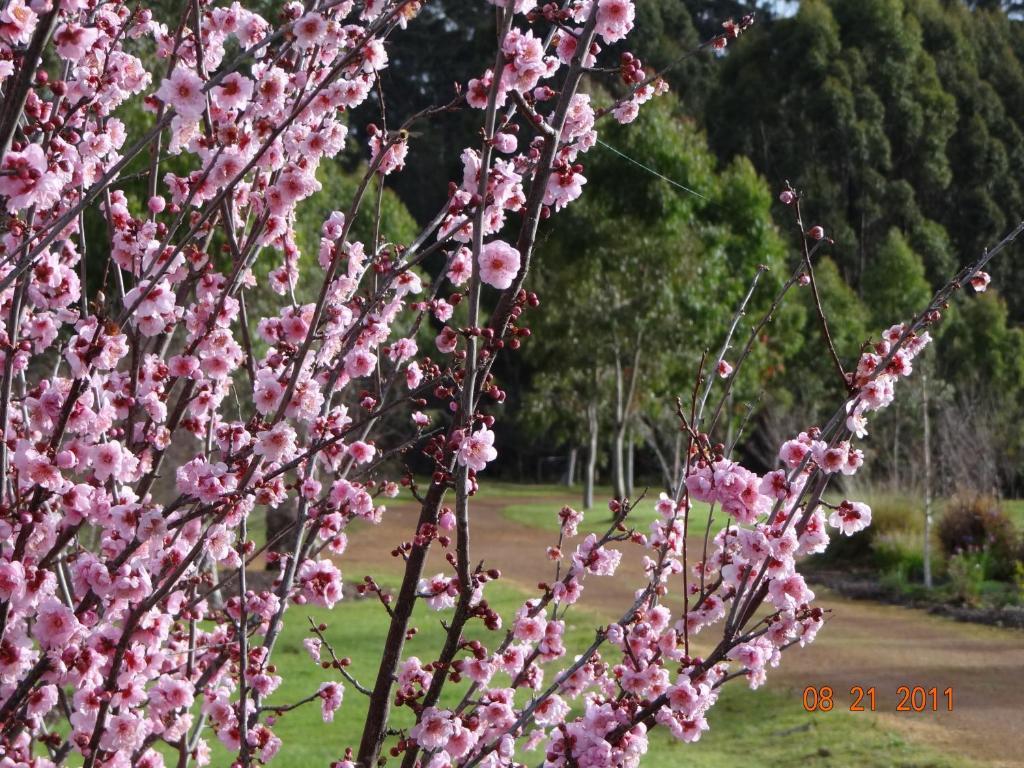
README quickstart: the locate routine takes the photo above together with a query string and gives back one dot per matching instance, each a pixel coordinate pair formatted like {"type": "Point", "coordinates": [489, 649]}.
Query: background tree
{"type": "Point", "coordinates": [695, 246]}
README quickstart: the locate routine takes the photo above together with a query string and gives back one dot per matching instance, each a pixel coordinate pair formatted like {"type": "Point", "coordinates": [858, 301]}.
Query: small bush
{"type": "Point", "coordinates": [899, 552]}
{"type": "Point", "coordinates": [892, 515]}
{"type": "Point", "coordinates": [896, 514]}
{"type": "Point", "coordinates": [966, 576]}
{"type": "Point", "coordinates": [976, 524]}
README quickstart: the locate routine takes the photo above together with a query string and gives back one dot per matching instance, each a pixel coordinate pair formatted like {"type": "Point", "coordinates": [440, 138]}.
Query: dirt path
{"type": "Point", "coordinates": [863, 644]}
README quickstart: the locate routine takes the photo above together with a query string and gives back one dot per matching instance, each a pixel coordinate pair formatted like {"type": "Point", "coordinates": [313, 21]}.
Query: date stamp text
{"type": "Point", "coordinates": [906, 698]}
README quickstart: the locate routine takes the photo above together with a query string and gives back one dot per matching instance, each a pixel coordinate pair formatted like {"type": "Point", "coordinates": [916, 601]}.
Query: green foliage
{"type": "Point", "coordinates": [649, 264]}
{"type": "Point", "coordinates": [895, 281]}
{"type": "Point", "coordinates": [899, 552]}
{"type": "Point", "coordinates": [975, 525]}
{"type": "Point", "coordinates": [905, 113]}
{"type": "Point", "coordinates": [980, 345]}
{"type": "Point", "coordinates": [810, 382]}
{"type": "Point", "coordinates": [339, 186]}
{"type": "Point", "coordinates": [967, 575]}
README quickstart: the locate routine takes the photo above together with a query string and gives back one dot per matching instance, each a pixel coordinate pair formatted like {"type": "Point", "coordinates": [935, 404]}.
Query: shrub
{"type": "Point", "coordinates": [976, 523]}
{"type": "Point", "coordinates": [897, 526]}
{"type": "Point", "coordinates": [899, 552]}
{"type": "Point", "coordinates": [967, 575]}
{"type": "Point", "coordinates": [900, 514]}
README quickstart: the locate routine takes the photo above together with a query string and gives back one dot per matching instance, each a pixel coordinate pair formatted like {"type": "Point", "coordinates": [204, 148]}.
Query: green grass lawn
{"type": "Point", "coordinates": [767, 726]}
{"type": "Point", "coordinates": [544, 514]}
{"type": "Point", "coordinates": [748, 727]}
{"type": "Point", "coordinates": [1015, 509]}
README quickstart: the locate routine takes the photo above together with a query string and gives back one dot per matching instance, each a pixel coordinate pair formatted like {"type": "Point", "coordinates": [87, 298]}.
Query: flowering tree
{"type": "Point", "coordinates": [126, 620]}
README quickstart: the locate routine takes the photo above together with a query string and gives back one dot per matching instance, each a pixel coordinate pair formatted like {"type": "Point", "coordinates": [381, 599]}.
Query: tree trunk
{"type": "Point", "coordinates": [619, 463]}
{"type": "Point", "coordinates": [570, 470]}
{"type": "Point", "coordinates": [216, 596]}
{"type": "Point", "coordinates": [677, 463]}
{"type": "Point", "coordinates": [630, 463]}
{"type": "Point", "coordinates": [624, 395]}
{"type": "Point", "coordinates": [278, 519]}
{"type": "Point", "coordinates": [651, 437]}
{"type": "Point", "coordinates": [619, 434]}
{"type": "Point", "coordinates": [591, 468]}
{"type": "Point", "coordinates": [927, 483]}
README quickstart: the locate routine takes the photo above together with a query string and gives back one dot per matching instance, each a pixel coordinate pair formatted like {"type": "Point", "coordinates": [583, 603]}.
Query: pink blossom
{"type": "Point", "coordinates": [12, 579]}
{"type": "Point", "coordinates": [106, 459]}
{"type": "Point", "coordinates": [505, 142]}
{"type": "Point", "coordinates": [360, 362]}
{"type": "Point", "coordinates": [55, 624]}
{"type": "Point", "coordinates": [614, 19]}
{"type": "Point", "coordinates": [234, 91]}
{"type": "Point", "coordinates": [446, 520]}
{"type": "Point", "coordinates": [850, 517]}
{"type": "Point", "coordinates": [563, 187]}
{"type": "Point", "coordinates": [793, 452]}
{"type": "Point", "coordinates": [17, 20]}
{"type": "Point", "coordinates": [600, 561]}
{"type": "Point", "coordinates": [361, 452]}
{"type": "Point", "coordinates": [394, 155]}
{"type": "Point", "coordinates": [499, 264]}
{"type": "Point", "coordinates": [447, 340]}
{"type": "Point", "coordinates": [433, 729]}
{"type": "Point", "coordinates": [461, 266]}
{"type": "Point", "coordinates": [320, 582]}
{"type": "Point", "coordinates": [476, 449]}
{"type": "Point", "coordinates": [125, 732]}
{"type": "Point", "coordinates": [276, 444]}
{"type": "Point", "coordinates": [567, 592]}
{"type": "Point", "coordinates": [267, 393]}
{"type": "Point", "coordinates": [73, 41]}
{"type": "Point", "coordinates": [309, 30]}
{"type": "Point", "coordinates": [980, 281]}
{"type": "Point", "coordinates": [312, 646]}
{"type": "Point", "coordinates": [42, 700]}
{"type": "Point", "coordinates": [154, 307]}
{"type": "Point", "coordinates": [526, 65]}
{"type": "Point", "coordinates": [330, 700]}
{"type": "Point", "coordinates": [789, 592]}
{"type": "Point", "coordinates": [413, 375]}
{"type": "Point", "coordinates": [439, 591]}
{"type": "Point", "coordinates": [724, 369]}
{"type": "Point", "coordinates": [184, 92]}
{"type": "Point", "coordinates": [529, 629]}
{"type": "Point", "coordinates": [26, 181]}
{"type": "Point", "coordinates": [478, 89]}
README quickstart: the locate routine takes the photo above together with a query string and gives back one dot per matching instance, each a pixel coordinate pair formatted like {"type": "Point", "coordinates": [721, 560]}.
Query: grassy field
{"type": "Point", "coordinates": [757, 727]}
{"type": "Point", "coordinates": [544, 514]}
{"type": "Point", "coordinates": [1015, 509]}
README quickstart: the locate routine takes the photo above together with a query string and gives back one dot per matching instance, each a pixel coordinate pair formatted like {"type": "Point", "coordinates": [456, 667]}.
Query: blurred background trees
{"type": "Point", "coordinates": [900, 121]}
